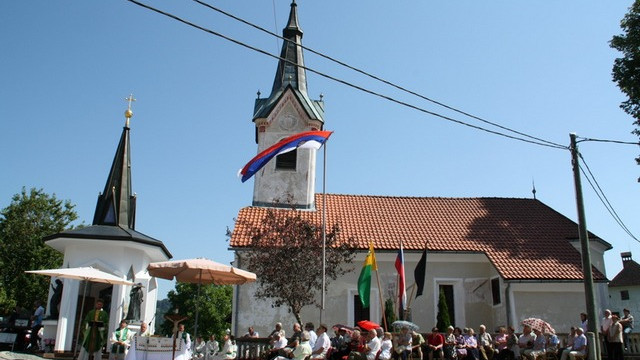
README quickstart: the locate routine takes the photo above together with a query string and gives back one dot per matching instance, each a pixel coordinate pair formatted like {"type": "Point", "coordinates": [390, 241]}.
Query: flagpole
{"type": "Point", "coordinates": [324, 229]}
{"type": "Point", "coordinates": [384, 317]}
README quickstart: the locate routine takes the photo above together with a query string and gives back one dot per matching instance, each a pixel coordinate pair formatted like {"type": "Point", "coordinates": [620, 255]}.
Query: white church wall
{"type": "Point", "coordinates": [560, 304]}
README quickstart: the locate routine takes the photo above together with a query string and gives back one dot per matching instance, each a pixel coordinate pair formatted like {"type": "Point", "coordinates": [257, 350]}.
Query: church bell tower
{"type": "Point", "coordinates": [289, 179]}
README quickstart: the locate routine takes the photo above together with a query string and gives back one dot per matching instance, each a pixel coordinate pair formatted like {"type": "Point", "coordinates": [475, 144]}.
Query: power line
{"type": "Point", "coordinates": [401, 88]}
{"type": "Point", "coordinates": [610, 141]}
{"type": "Point", "coordinates": [344, 82]}
{"type": "Point", "coordinates": [603, 198]}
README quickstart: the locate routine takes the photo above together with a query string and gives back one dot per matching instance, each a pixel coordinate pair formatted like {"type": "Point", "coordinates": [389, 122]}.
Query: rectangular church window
{"type": "Point", "coordinates": [287, 161]}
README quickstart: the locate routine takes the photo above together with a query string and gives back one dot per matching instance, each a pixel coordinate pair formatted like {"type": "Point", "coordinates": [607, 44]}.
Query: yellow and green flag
{"type": "Point", "coordinates": [364, 281]}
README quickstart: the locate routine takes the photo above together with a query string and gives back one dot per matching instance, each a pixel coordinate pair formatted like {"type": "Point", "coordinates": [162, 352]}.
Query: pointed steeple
{"type": "Point", "coordinates": [290, 74]}
{"type": "Point", "coordinates": [117, 204]}
{"type": "Point", "coordinates": [289, 70]}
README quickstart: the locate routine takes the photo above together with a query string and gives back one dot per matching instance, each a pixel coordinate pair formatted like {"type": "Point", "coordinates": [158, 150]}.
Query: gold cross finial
{"type": "Point", "coordinates": [128, 113]}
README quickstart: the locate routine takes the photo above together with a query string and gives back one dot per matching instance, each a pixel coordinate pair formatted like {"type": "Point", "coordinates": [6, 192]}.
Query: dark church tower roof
{"type": "Point", "coordinates": [290, 74]}
{"type": "Point", "coordinates": [115, 215]}
{"type": "Point", "coordinates": [116, 204]}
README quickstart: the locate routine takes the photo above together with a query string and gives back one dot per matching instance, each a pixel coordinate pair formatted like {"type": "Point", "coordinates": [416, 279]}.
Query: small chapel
{"type": "Point", "coordinates": [113, 245]}
{"type": "Point", "coordinates": [496, 260]}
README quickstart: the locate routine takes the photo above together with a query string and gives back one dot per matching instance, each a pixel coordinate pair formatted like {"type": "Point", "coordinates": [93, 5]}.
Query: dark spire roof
{"type": "Point", "coordinates": [630, 273]}
{"type": "Point", "coordinates": [115, 215]}
{"type": "Point", "coordinates": [290, 73]}
{"type": "Point", "coordinates": [116, 204]}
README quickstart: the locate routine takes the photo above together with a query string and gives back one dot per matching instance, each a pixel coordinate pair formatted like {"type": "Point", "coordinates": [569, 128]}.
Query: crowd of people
{"type": "Point", "coordinates": [454, 344]}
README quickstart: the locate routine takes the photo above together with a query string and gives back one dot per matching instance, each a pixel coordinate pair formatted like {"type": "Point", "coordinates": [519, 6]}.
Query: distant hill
{"type": "Point", "coordinates": [162, 307]}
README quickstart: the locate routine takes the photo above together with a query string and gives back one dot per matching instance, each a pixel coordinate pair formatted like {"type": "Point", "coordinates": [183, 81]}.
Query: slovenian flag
{"type": "Point", "coordinates": [307, 139]}
{"type": "Point", "coordinates": [402, 290]}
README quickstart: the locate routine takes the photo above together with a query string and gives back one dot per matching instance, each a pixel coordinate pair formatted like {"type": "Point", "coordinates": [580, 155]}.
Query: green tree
{"type": "Point", "coordinates": [295, 245]}
{"type": "Point", "coordinates": [30, 217]}
{"type": "Point", "coordinates": [626, 69]}
{"type": "Point", "coordinates": [214, 308]}
{"type": "Point", "coordinates": [443, 320]}
{"type": "Point", "coordinates": [389, 313]}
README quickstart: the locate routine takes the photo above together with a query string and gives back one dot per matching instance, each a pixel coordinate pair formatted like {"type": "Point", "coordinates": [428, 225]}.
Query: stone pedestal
{"type": "Point", "coordinates": [49, 329]}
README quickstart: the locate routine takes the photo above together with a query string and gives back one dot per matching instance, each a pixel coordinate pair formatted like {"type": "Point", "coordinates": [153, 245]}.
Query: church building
{"type": "Point", "coordinates": [496, 260]}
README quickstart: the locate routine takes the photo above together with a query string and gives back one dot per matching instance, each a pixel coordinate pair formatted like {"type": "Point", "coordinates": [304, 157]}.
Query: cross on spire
{"type": "Point", "coordinates": [128, 113]}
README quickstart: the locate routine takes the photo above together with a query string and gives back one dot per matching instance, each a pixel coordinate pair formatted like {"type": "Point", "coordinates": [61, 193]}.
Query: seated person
{"type": "Point", "coordinates": [322, 344]}
{"type": "Point", "coordinates": [525, 341]}
{"type": "Point", "coordinates": [386, 347]}
{"type": "Point", "coordinates": [435, 344]}
{"type": "Point", "coordinates": [579, 347]}
{"type": "Point", "coordinates": [539, 345]}
{"type": "Point", "coordinates": [417, 343]}
{"type": "Point", "coordinates": [370, 350]}
{"type": "Point", "coordinates": [485, 343]}
{"type": "Point", "coordinates": [404, 343]}
{"type": "Point", "coordinates": [471, 343]}
{"type": "Point", "coordinates": [200, 349]}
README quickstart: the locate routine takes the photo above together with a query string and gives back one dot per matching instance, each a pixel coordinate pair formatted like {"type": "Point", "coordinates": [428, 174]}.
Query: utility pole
{"type": "Point", "coordinates": [592, 314]}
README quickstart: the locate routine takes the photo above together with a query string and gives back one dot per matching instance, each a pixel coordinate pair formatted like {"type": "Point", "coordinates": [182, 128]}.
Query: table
{"type": "Point", "coordinates": [156, 348]}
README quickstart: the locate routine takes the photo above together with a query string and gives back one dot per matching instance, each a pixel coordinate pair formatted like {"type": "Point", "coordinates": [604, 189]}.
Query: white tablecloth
{"type": "Point", "coordinates": [156, 348]}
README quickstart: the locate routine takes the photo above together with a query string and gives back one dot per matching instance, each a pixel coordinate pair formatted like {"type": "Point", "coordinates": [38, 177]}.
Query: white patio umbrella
{"type": "Point", "coordinates": [200, 271]}
{"type": "Point", "coordinates": [86, 274]}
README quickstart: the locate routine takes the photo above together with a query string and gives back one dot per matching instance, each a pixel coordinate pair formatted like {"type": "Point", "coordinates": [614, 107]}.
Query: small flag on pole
{"type": "Point", "coordinates": [307, 139]}
{"type": "Point", "coordinates": [364, 281]}
{"type": "Point", "coordinates": [402, 290]}
{"type": "Point", "coordinates": [420, 272]}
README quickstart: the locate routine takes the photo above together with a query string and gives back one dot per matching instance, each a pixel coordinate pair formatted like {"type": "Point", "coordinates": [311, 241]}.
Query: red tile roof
{"type": "Point", "coordinates": [523, 238]}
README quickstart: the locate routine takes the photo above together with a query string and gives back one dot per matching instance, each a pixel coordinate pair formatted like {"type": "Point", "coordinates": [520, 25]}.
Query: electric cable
{"type": "Point", "coordinates": [401, 88]}
{"type": "Point", "coordinates": [603, 198]}
{"type": "Point", "coordinates": [344, 82]}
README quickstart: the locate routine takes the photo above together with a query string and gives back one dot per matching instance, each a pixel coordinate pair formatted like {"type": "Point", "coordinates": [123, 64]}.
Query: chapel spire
{"type": "Point", "coordinates": [117, 204]}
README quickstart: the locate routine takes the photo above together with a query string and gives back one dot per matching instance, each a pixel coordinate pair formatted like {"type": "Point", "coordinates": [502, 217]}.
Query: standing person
{"type": "Point", "coordinates": [36, 325]}
{"type": "Point", "coordinates": [615, 339]}
{"type": "Point", "coordinates": [584, 322]}
{"type": "Point", "coordinates": [95, 332]}
{"type": "Point", "coordinates": [605, 324]}
{"type": "Point", "coordinates": [185, 338]}
{"type": "Point", "coordinates": [120, 341]}
{"type": "Point", "coordinates": [627, 327]}
{"type": "Point", "coordinates": [485, 343]}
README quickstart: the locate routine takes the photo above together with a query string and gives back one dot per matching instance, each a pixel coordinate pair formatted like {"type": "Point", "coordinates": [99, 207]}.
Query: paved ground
{"type": "Point", "coordinates": [10, 355]}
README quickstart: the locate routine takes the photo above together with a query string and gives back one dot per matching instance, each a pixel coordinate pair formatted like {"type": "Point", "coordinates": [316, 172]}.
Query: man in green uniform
{"type": "Point", "coordinates": [95, 326]}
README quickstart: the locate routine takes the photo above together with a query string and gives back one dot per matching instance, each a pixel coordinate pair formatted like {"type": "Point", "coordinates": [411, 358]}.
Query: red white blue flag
{"type": "Point", "coordinates": [402, 290]}
{"type": "Point", "coordinates": [307, 139]}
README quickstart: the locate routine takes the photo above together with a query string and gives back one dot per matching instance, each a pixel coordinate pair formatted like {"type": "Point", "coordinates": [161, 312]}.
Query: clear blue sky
{"type": "Point", "coordinates": [542, 68]}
